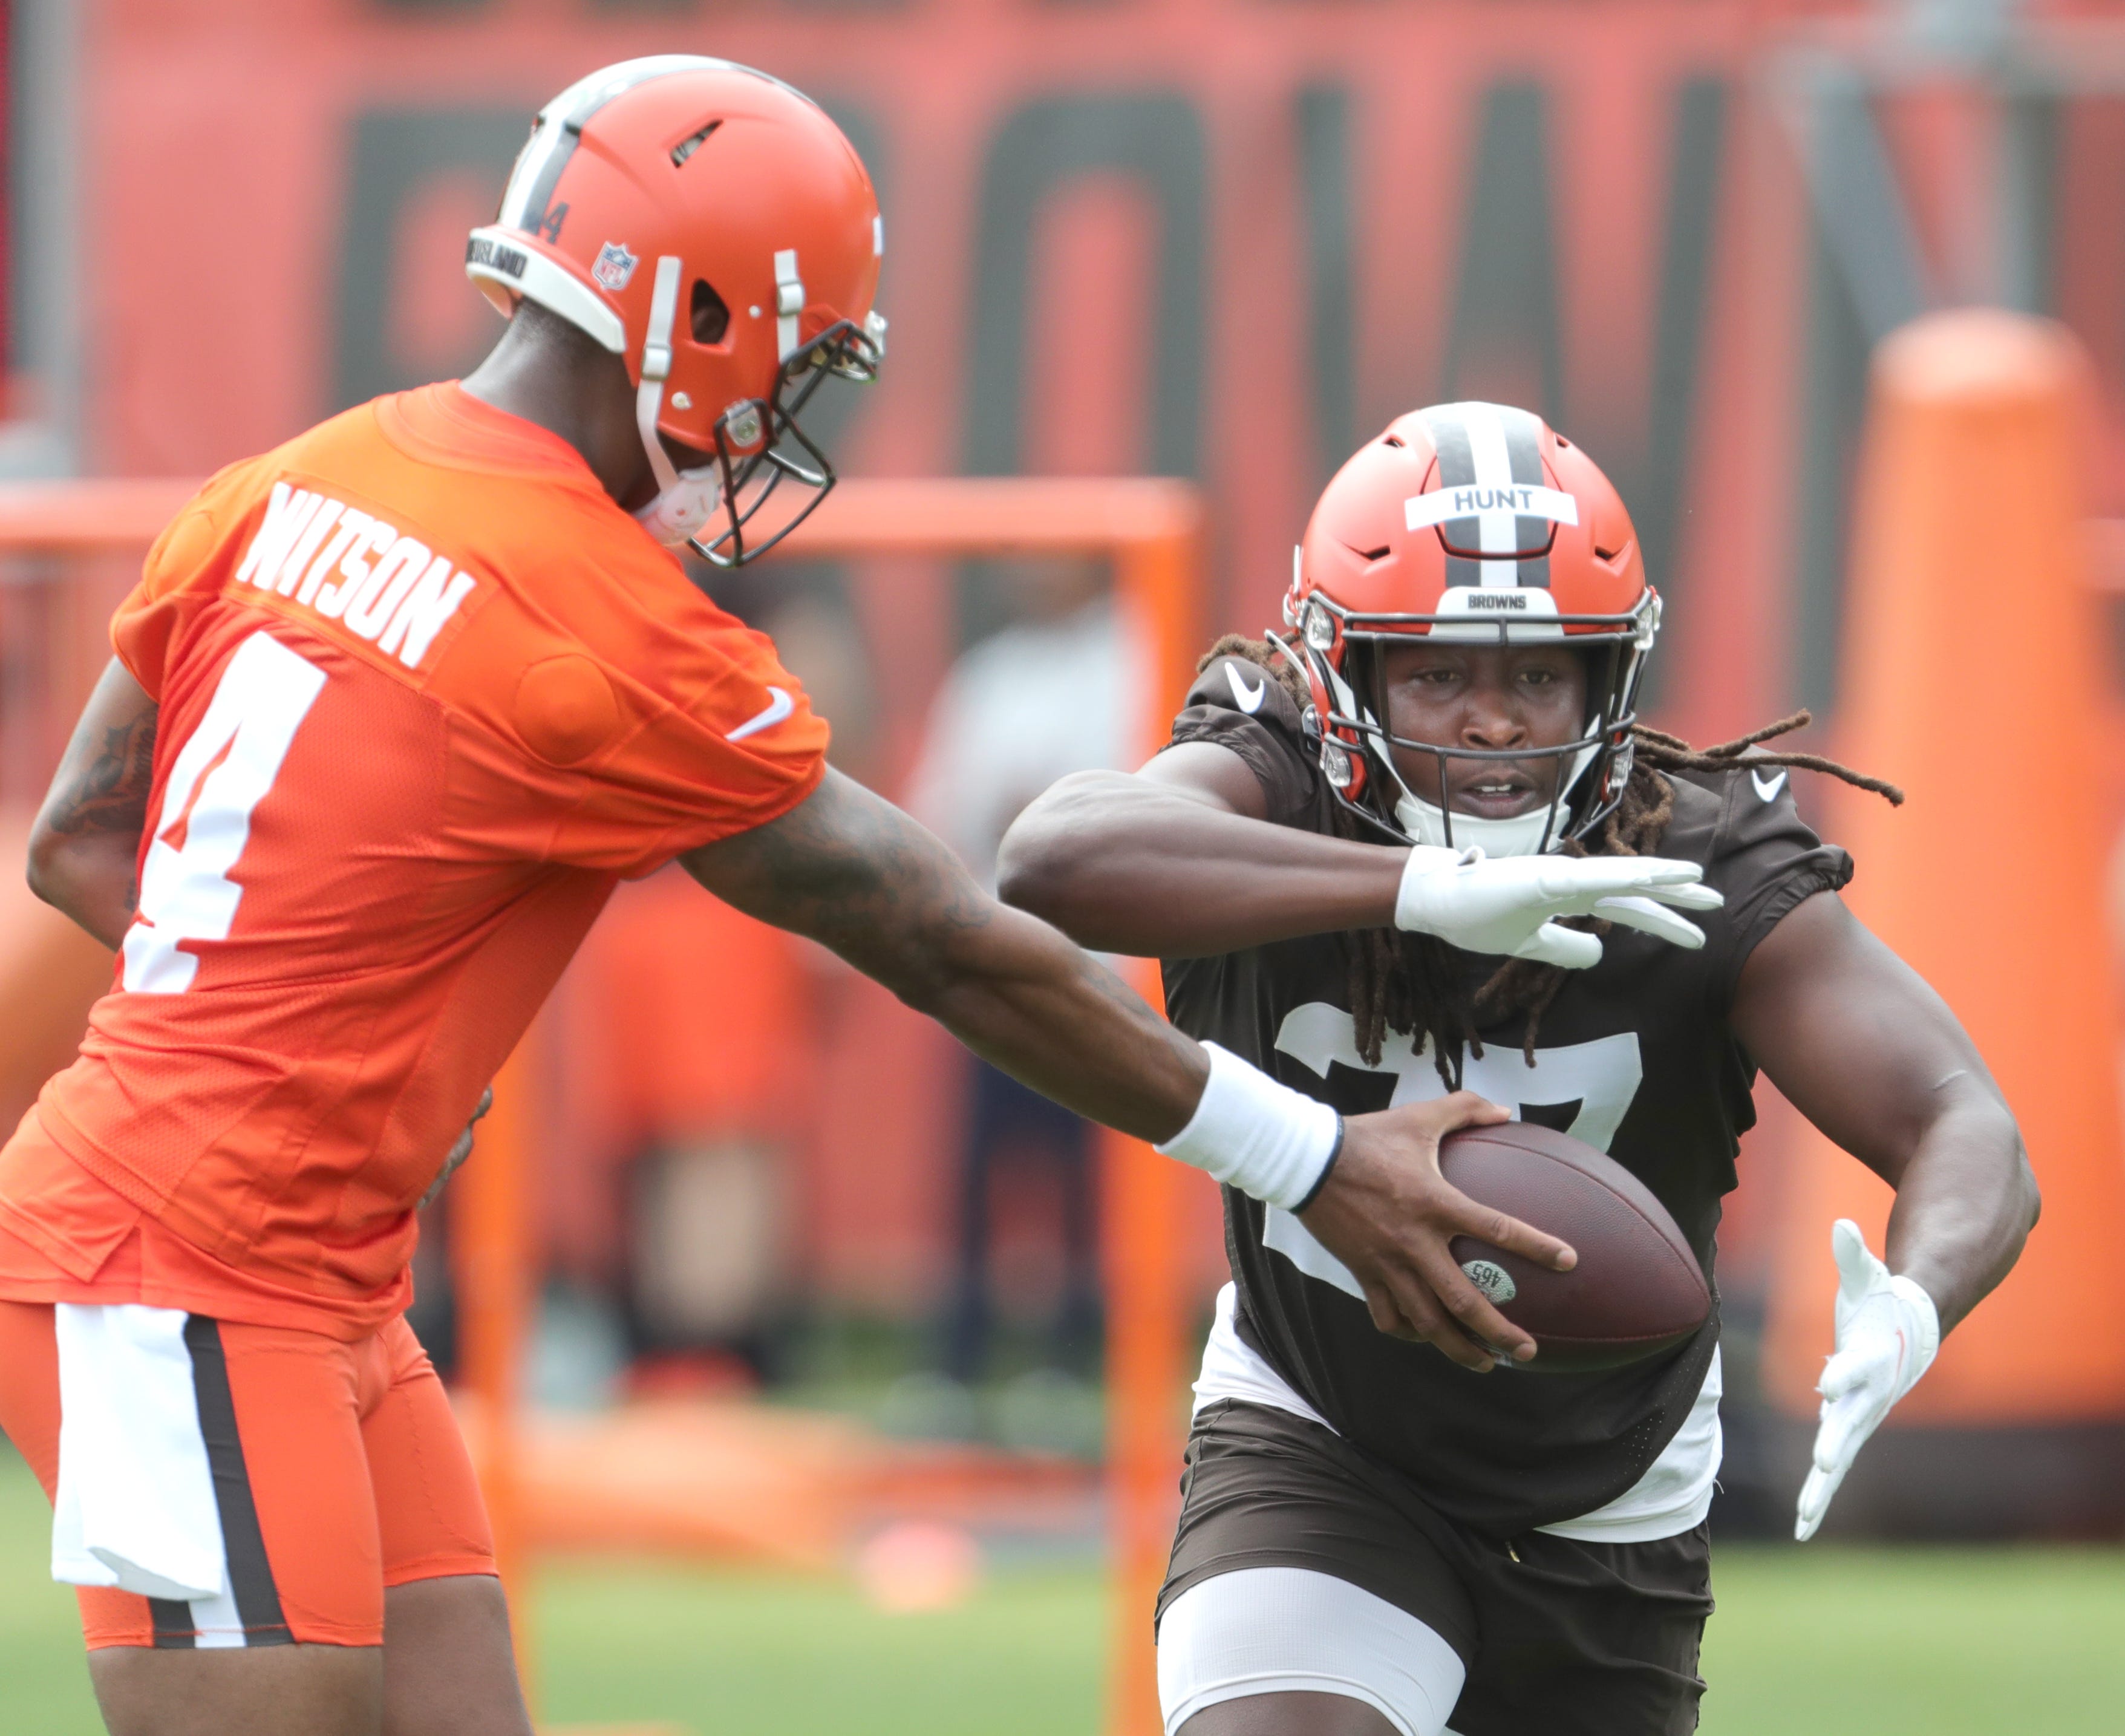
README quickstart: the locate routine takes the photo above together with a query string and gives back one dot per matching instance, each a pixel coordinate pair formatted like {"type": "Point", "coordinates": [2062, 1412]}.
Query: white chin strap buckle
{"type": "Point", "coordinates": [1532, 834]}
{"type": "Point", "coordinates": [686, 499]}
{"type": "Point", "coordinates": [789, 302]}
{"type": "Point", "coordinates": [683, 505]}
{"type": "Point", "coordinates": [1521, 835]}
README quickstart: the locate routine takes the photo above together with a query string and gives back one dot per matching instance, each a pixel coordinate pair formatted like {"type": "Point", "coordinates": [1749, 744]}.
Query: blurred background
{"type": "Point", "coordinates": [816, 1357]}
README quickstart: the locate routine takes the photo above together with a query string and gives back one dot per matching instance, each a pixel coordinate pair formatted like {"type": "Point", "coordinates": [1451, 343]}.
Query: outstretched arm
{"type": "Point", "coordinates": [850, 870]}
{"type": "Point", "coordinates": [1863, 1048]}
{"type": "Point", "coordinates": [1873, 1056]}
{"type": "Point", "coordinates": [1177, 861]}
{"type": "Point", "coordinates": [85, 848]}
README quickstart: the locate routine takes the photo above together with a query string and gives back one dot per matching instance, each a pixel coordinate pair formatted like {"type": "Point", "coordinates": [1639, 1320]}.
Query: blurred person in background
{"type": "Point", "coordinates": [394, 706]}
{"type": "Point", "coordinates": [676, 1134]}
{"type": "Point", "coordinates": [1051, 693]}
{"type": "Point", "coordinates": [1373, 1540]}
{"type": "Point", "coordinates": [682, 1043]}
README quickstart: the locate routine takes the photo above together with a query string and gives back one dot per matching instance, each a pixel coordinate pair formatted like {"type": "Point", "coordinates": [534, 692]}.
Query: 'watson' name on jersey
{"type": "Point", "coordinates": [352, 567]}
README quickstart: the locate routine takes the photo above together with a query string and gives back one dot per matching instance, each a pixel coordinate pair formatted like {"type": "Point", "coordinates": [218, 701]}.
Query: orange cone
{"type": "Point", "coordinates": [1971, 677]}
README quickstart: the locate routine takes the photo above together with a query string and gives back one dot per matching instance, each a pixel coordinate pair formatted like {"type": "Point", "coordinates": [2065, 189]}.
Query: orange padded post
{"type": "Point", "coordinates": [90, 514]}
{"type": "Point", "coordinates": [1150, 528]}
{"type": "Point", "coordinates": [1971, 678]}
{"type": "Point", "coordinates": [492, 1266]}
{"type": "Point", "coordinates": [1146, 1328]}
{"type": "Point", "coordinates": [1145, 1331]}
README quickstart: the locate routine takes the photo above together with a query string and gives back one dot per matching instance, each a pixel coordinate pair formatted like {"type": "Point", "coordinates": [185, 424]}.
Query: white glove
{"type": "Point", "coordinates": [1509, 904]}
{"type": "Point", "coordinates": [1888, 1331]}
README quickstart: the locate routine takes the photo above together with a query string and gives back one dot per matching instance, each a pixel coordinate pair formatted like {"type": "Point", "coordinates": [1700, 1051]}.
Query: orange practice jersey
{"type": "Point", "coordinates": [425, 694]}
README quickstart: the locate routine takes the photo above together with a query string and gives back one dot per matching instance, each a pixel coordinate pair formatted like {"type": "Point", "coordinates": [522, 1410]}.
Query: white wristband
{"type": "Point", "coordinates": [1257, 1135]}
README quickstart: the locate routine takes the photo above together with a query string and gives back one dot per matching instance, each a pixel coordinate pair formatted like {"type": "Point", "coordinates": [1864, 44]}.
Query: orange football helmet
{"type": "Point", "coordinates": [714, 229]}
{"type": "Point", "coordinates": [1475, 523]}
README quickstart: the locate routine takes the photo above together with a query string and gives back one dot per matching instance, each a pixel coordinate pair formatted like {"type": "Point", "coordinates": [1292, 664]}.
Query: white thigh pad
{"type": "Point", "coordinates": [135, 1507]}
{"type": "Point", "coordinates": [1290, 1630]}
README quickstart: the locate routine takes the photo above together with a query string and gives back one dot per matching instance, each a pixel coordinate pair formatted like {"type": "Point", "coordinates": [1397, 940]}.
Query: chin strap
{"type": "Point", "coordinates": [789, 302]}
{"type": "Point", "coordinates": [685, 500]}
{"type": "Point", "coordinates": [1537, 833]}
{"type": "Point", "coordinates": [1521, 835]}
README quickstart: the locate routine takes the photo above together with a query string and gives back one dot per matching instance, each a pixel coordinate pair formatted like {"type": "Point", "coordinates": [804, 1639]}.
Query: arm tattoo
{"type": "Point", "coordinates": [109, 792]}
{"type": "Point", "coordinates": [850, 871]}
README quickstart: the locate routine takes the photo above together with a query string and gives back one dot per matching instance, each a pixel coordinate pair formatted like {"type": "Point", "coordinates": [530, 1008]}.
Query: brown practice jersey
{"type": "Point", "coordinates": [1636, 1057]}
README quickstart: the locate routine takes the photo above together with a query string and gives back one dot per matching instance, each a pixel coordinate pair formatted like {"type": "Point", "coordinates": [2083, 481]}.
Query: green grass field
{"type": "Point", "coordinates": [1832, 1642]}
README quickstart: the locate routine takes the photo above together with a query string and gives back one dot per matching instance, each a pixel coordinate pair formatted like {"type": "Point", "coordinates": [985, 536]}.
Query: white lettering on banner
{"type": "Point", "coordinates": [1601, 1077]}
{"type": "Point", "coordinates": [220, 777]}
{"type": "Point", "coordinates": [1519, 501]}
{"type": "Point", "coordinates": [402, 600]}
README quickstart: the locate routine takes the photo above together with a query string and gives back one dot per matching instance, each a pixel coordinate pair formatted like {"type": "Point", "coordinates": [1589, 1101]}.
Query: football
{"type": "Point", "coordinates": [1637, 1289]}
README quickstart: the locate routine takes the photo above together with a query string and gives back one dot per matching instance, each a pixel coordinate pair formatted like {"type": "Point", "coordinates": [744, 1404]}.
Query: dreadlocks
{"type": "Point", "coordinates": [1414, 983]}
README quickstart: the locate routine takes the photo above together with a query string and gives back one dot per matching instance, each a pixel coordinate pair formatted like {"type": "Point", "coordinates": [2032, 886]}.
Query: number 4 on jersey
{"type": "Point", "coordinates": [220, 775]}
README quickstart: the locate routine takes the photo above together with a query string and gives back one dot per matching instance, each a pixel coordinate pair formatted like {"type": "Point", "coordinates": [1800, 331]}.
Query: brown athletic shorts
{"type": "Point", "coordinates": [1560, 1638]}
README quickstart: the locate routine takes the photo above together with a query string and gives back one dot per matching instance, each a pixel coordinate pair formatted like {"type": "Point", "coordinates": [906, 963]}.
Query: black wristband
{"type": "Point", "coordinates": [1327, 1170]}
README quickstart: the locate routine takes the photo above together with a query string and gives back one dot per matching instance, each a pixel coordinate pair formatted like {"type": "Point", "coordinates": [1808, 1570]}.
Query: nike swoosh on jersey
{"type": "Point", "coordinates": [780, 705]}
{"type": "Point", "coordinates": [1250, 698]}
{"type": "Point", "coordinates": [1767, 791]}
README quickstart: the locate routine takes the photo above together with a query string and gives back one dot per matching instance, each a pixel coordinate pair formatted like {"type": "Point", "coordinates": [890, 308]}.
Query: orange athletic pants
{"type": "Point", "coordinates": [356, 1476]}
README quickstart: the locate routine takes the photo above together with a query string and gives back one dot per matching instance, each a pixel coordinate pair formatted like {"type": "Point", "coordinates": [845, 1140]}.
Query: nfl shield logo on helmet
{"type": "Point", "coordinates": [614, 267]}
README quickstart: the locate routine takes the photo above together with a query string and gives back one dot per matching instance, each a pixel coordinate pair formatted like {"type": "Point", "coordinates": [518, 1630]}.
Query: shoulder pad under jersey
{"type": "Point", "coordinates": [1233, 684]}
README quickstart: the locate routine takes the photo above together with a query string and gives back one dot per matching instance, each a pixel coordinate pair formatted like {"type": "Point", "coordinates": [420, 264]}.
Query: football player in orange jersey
{"type": "Point", "coordinates": [394, 707]}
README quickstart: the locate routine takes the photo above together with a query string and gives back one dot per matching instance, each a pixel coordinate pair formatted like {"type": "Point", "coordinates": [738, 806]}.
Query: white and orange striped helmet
{"type": "Point", "coordinates": [713, 228]}
{"type": "Point", "coordinates": [1479, 524]}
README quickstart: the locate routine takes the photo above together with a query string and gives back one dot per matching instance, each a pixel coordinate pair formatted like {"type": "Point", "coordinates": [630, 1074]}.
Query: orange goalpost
{"type": "Point", "coordinates": [1150, 530]}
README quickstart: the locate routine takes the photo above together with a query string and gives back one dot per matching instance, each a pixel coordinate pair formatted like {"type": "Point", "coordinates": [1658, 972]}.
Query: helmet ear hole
{"type": "Point", "coordinates": [710, 317]}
